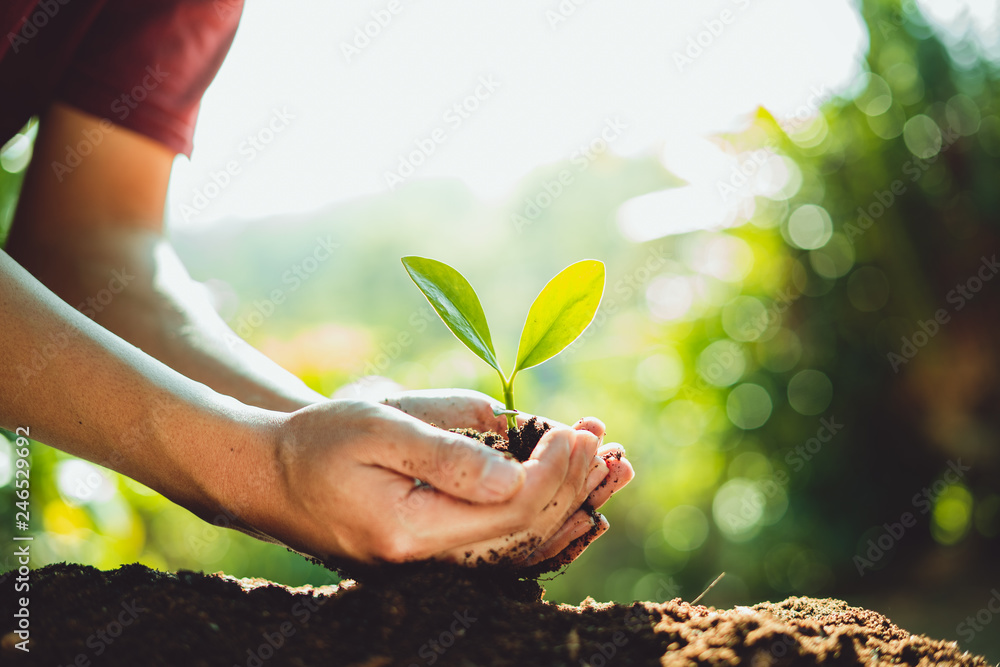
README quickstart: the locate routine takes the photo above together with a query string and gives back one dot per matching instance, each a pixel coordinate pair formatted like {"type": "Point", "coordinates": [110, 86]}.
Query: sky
{"type": "Point", "coordinates": [322, 102]}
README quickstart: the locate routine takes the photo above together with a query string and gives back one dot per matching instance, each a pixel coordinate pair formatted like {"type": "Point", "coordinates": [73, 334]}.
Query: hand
{"type": "Point", "coordinates": [346, 470]}
{"type": "Point", "coordinates": [609, 470]}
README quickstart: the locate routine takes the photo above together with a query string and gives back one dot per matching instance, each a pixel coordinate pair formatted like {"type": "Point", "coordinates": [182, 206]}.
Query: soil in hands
{"type": "Point", "coordinates": [137, 616]}
{"type": "Point", "coordinates": [519, 443]}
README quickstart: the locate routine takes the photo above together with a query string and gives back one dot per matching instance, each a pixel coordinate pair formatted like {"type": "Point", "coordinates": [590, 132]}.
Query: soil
{"type": "Point", "coordinates": [424, 615]}
{"type": "Point", "coordinates": [427, 613]}
{"type": "Point", "coordinates": [519, 443]}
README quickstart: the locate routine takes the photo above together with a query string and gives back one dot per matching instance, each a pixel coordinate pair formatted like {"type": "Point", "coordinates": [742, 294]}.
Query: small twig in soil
{"type": "Point", "coordinates": [710, 587]}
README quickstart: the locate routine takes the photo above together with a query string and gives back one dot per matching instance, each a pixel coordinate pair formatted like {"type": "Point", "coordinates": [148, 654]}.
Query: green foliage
{"type": "Point", "coordinates": [564, 308]}
{"type": "Point", "coordinates": [456, 302]}
{"type": "Point", "coordinates": [561, 312]}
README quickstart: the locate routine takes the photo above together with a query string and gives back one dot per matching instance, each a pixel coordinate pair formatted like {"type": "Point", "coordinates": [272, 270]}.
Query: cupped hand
{"type": "Point", "coordinates": [609, 470]}
{"type": "Point", "coordinates": [346, 488]}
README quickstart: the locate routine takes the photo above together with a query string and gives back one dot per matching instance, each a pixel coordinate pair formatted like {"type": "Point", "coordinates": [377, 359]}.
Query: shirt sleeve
{"type": "Point", "coordinates": [145, 65]}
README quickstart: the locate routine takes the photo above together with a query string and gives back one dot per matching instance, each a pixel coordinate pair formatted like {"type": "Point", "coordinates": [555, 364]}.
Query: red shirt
{"type": "Point", "coordinates": [141, 64]}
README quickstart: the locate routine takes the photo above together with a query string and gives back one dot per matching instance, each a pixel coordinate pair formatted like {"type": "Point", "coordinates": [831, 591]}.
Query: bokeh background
{"type": "Point", "coordinates": [797, 343]}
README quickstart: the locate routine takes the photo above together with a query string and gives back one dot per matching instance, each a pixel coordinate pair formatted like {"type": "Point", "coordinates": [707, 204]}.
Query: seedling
{"type": "Point", "coordinates": [561, 312]}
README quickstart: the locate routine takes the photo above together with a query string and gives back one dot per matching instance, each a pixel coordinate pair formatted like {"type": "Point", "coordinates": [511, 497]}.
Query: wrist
{"type": "Point", "coordinates": [232, 469]}
{"type": "Point", "coordinates": [290, 400]}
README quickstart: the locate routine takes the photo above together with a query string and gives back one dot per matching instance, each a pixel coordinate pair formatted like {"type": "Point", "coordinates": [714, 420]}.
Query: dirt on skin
{"type": "Point", "coordinates": [519, 444]}
{"type": "Point", "coordinates": [426, 615]}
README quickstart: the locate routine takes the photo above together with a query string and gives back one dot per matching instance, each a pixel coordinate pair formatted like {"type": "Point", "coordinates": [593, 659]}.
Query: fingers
{"type": "Point", "coordinates": [620, 473]}
{"type": "Point", "coordinates": [481, 504]}
{"type": "Point", "coordinates": [578, 546]}
{"type": "Point", "coordinates": [581, 521]}
{"type": "Point", "coordinates": [452, 463]}
{"type": "Point", "coordinates": [578, 525]}
{"type": "Point", "coordinates": [564, 500]}
{"type": "Point", "coordinates": [444, 523]}
{"type": "Point", "coordinates": [595, 478]}
{"type": "Point", "coordinates": [612, 448]}
{"type": "Point", "coordinates": [610, 472]}
{"type": "Point", "coordinates": [585, 466]}
{"type": "Point", "coordinates": [599, 471]}
{"type": "Point", "coordinates": [574, 549]}
{"type": "Point", "coordinates": [592, 424]}
{"type": "Point", "coordinates": [554, 518]}
{"type": "Point", "coordinates": [449, 408]}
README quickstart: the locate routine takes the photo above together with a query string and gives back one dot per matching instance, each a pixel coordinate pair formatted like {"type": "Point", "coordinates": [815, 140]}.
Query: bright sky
{"type": "Point", "coordinates": [304, 123]}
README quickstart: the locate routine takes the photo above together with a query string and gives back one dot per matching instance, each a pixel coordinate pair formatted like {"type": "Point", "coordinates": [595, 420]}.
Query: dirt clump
{"type": "Point", "coordinates": [427, 614]}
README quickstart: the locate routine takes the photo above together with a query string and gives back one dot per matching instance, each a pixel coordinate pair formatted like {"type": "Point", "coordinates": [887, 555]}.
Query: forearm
{"type": "Point", "coordinates": [87, 392]}
{"type": "Point", "coordinates": [131, 282]}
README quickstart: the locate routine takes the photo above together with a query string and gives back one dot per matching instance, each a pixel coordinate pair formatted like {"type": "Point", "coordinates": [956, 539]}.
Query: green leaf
{"type": "Point", "coordinates": [560, 313]}
{"type": "Point", "coordinates": [456, 302]}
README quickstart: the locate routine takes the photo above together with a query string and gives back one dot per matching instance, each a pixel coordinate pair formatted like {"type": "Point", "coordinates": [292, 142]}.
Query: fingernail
{"type": "Point", "coordinates": [501, 475]}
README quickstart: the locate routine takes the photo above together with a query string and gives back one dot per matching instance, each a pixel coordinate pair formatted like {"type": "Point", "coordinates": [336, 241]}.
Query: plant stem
{"type": "Point", "coordinates": [508, 398]}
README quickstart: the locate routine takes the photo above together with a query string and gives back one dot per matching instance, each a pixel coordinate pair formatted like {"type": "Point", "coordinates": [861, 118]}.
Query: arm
{"type": "Point", "coordinates": [334, 479]}
{"type": "Point", "coordinates": [93, 235]}
{"type": "Point", "coordinates": [85, 391]}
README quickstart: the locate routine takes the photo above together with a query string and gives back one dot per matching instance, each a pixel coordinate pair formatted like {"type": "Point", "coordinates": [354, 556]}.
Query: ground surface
{"type": "Point", "coordinates": [137, 616]}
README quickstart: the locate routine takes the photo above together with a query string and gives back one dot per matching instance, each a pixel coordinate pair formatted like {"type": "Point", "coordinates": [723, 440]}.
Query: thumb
{"type": "Point", "coordinates": [453, 464]}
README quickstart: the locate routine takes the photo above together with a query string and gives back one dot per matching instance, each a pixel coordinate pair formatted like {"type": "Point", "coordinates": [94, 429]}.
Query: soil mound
{"type": "Point", "coordinates": [430, 615]}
